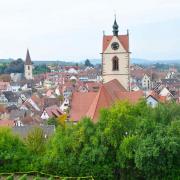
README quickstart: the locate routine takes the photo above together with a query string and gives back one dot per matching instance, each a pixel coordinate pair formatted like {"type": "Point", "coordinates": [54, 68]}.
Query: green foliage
{"type": "Point", "coordinates": [37, 178]}
{"type": "Point", "coordinates": [41, 69]}
{"type": "Point", "coordinates": [128, 142]}
{"type": "Point", "coordinates": [52, 121]}
{"type": "Point", "coordinates": [16, 66]}
{"type": "Point", "coordinates": [23, 177]}
{"type": "Point", "coordinates": [35, 141]}
{"type": "Point", "coordinates": [13, 152]}
{"type": "Point", "coordinates": [3, 66]}
{"type": "Point", "coordinates": [11, 177]}
{"type": "Point", "coordinates": [51, 178]}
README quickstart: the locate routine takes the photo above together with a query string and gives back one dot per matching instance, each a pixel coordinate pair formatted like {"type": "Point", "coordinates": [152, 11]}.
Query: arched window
{"type": "Point", "coordinates": [115, 63]}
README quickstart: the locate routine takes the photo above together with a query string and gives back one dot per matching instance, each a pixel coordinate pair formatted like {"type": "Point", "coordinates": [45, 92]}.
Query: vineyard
{"type": "Point", "coordinates": [34, 175]}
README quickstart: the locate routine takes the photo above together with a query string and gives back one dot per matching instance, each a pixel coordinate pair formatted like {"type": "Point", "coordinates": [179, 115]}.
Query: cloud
{"type": "Point", "coordinates": [73, 29]}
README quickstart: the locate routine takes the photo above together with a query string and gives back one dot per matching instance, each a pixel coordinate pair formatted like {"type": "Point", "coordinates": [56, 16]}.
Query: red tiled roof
{"type": "Point", "coordinates": [124, 40]}
{"type": "Point", "coordinates": [132, 97]}
{"type": "Point", "coordinates": [2, 109]}
{"type": "Point", "coordinates": [102, 100]}
{"type": "Point", "coordinates": [9, 123]}
{"type": "Point", "coordinates": [89, 104]}
{"type": "Point", "coordinates": [80, 104]}
{"type": "Point", "coordinates": [37, 99]}
{"type": "Point", "coordinates": [53, 111]}
{"type": "Point", "coordinates": [158, 97]}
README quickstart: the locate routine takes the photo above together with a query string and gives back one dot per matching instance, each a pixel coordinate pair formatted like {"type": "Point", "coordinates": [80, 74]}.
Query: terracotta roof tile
{"type": "Point", "coordinates": [9, 123]}
{"type": "Point", "coordinates": [156, 96]}
{"type": "Point", "coordinates": [80, 104]}
{"type": "Point", "coordinates": [102, 100]}
{"type": "Point", "coordinates": [89, 104]}
{"type": "Point", "coordinates": [53, 111]}
{"type": "Point", "coordinates": [124, 40]}
{"type": "Point", "coordinates": [132, 97]}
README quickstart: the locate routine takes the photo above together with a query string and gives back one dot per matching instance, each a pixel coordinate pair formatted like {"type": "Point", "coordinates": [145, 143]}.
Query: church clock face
{"type": "Point", "coordinates": [114, 45]}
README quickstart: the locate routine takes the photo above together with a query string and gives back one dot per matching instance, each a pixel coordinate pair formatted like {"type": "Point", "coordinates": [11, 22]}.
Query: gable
{"type": "Point", "coordinates": [123, 41]}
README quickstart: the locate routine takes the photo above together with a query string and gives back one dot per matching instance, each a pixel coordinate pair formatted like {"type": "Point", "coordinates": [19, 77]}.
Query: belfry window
{"type": "Point", "coordinates": [115, 63]}
{"type": "Point", "coordinates": [28, 67]}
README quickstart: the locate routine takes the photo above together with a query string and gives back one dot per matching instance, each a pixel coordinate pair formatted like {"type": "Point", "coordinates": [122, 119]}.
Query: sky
{"type": "Point", "coordinates": [72, 30]}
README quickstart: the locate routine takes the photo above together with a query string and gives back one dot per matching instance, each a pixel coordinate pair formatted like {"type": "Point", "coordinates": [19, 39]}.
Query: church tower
{"type": "Point", "coordinates": [28, 67]}
{"type": "Point", "coordinates": [116, 57]}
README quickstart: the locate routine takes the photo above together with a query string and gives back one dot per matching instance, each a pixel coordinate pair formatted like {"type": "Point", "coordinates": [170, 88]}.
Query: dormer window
{"type": "Point", "coordinates": [115, 63]}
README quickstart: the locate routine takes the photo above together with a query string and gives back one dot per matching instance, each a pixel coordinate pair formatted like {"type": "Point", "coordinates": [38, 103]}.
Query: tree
{"type": "Point", "coordinates": [128, 142]}
{"type": "Point", "coordinates": [57, 121]}
{"type": "Point", "coordinates": [13, 152]}
{"type": "Point", "coordinates": [39, 69]}
{"type": "Point", "coordinates": [88, 63]}
{"type": "Point", "coordinates": [35, 141]}
{"type": "Point", "coordinates": [16, 66]}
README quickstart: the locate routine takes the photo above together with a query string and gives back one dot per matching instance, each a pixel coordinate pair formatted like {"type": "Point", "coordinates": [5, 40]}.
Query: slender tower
{"type": "Point", "coordinates": [116, 57]}
{"type": "Point", "coordinates": [28, 67]}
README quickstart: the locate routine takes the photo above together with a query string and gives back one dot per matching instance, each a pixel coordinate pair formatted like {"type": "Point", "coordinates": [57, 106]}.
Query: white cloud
{"type": "Point", "coordinates": [72, 28]}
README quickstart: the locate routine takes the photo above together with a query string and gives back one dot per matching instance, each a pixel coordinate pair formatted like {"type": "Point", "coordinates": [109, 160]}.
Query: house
{"type": "Point", "coordinates": [3, 99]}
{"type": "Point", "coordinates": [65, 105]}
{"type": "Point", "coordinates": [4, 86]}
{"type": "Point", "coordinates": [57, 91]}
{"type": "Point", "coordinates": [73, 78]}
{"type": "Point", "coordinates": [167, 93]}
{"type": "Point", "coordinates": [154, 98]}
{"type": "Point", "coordinates": [146, 82]}
{"type": "Point", "coordinates": [152, 101]}
{"type": "Point", "coordinates": [13, 98]}
{"type": "Point", "coordinates": [3, 112]}
{"type": "Point", "coordinates": [48, 83]}
{"type": "Point", "coordinates": [14, 87]}
{"type": "Point", "coordinates": [50, 93]}
{"type": "Point", "coordinates": [51, 111]}
{"type": "Point", "coordinates": [16, 77]}
{"type": "Point", "coordinates": [50, 102]}
{"type": "Point", "coordinates": [72, 70]}
{"type": "Point", "coordinates": [31, 104]}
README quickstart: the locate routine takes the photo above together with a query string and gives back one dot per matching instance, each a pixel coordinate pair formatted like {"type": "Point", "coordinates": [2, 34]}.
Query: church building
{"type": "Point", "coordinates": [116, 57]}
{"type": "Point", "coordinates": [116, 75]}
{"type": "Point", "coordinates": [28, 67]}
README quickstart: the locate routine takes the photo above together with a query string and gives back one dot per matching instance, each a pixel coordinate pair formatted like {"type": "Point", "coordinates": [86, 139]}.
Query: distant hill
{"type": "Point", "coordinates": [6, 60]}
{"type": "Point", "coordinates": [66, 63]}
{"type": "Point", "coordinates": [147, 61]}
{"type": "Point", "coordinates": [61, 63]}
{"type": "Point", "coordinates": [96, 61]}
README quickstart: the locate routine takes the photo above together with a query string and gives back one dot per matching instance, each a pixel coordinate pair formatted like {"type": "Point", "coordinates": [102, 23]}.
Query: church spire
{"type": "Point", "coordinates": [28, 58]}
{"type": "Point", "coordinates": [115, 28]}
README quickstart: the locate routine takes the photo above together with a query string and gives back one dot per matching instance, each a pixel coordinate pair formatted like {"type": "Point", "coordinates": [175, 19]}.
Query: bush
{"type": "Point", "coordinates": [11, 177]}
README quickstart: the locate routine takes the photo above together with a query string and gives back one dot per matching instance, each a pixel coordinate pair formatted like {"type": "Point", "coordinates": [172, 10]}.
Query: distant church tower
{"type": "Point", "coordinates": [28, 67]}
{"type": "Point", "coordinates": [116, 57]}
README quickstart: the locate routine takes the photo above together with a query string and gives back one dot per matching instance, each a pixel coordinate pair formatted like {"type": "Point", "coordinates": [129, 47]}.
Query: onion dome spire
{"type": "Point", "coordinates": [115, 28]}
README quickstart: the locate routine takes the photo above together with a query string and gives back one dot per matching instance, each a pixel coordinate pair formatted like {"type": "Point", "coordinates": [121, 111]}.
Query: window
{"type": "Point", "coordinates": [28, 67]}
{"type": "Point", "coordinates": [115, 63]}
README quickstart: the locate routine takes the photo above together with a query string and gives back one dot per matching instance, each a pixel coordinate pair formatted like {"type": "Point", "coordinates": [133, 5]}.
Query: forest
{"type": "Point", "coordinates": [128, 142]}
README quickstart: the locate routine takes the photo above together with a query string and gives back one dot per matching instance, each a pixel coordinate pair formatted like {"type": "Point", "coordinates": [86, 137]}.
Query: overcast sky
{"type": "Point", "coordinates": [72, 29]}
